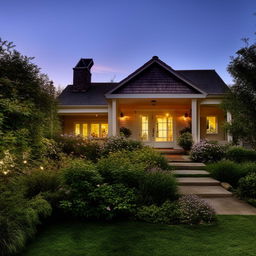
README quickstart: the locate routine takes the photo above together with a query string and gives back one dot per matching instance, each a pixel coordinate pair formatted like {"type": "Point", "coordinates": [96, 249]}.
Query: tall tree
{"type": "Point", "coordinates": [241, 101]}
{"type": "Point", "coordinates": [28, 109]}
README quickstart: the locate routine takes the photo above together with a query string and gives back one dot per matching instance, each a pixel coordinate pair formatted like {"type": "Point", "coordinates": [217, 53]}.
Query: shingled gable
{"type": "Point", "coordinates": [155, 77]}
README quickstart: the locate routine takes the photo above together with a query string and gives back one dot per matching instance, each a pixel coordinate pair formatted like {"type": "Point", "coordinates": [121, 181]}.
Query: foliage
{"type": "Point", "coordinates": [126, 132]}
{"type": "Point", "coordinates": [18, 217]}
{"type": "Point", "coordinates": [158, 186]}
{"type": "Point", "coordinates": [231, 172]}
{"type": "Point", "coordinates": [205, 151]}
{"type": "Point", "coordinates": [78, 146]}
{"type": "Point", "coordinates": [167, 213]}
{"type": "Point", "coordinates": [185, 141]}
{"type": "Point", "coordinates": [247, 186]}
{"type": "Point", "coordinates": [185, 130]}
{"type": "Point", "coordinates": [241, 99]}
{"type": "Point", "coordinates": [194, 210]}
{"type": "Point", "coordinates": [114, 144]}
{"type": "Point", "coordinates": [240, 154]}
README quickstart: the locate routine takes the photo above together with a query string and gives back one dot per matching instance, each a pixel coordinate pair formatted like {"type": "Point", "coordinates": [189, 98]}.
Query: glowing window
{"type": "Point", "coordinates": [211, 125]}
{"type": "Point", "coordinates": [104, 130]}
{"type": "Point", "coordinates": [164, 128]}
{"type": "Point", "coordinates": [144, 128]}
{"type": "Point", "coordinates": [95, 130]}
{"type": "Point", "coordinates": [77, 129]}
{"type": "Point", "coordinates": [85, 130]}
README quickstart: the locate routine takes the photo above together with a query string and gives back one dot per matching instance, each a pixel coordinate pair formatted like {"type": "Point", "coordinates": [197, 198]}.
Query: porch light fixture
{"type": "Point", "coordinates": [121, 114]}
{"type": "Point", "coordinates": [153, 102]}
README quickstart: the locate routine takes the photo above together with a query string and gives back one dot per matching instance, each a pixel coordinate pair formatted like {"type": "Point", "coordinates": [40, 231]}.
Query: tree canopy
{"type": "Point", "coordinates": [241, 101]}
{"type": "Point", "coordinates": [28, 109]}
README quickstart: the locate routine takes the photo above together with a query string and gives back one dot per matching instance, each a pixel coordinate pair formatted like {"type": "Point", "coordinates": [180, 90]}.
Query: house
{"type": "Point", "coordinates": [155, 102]}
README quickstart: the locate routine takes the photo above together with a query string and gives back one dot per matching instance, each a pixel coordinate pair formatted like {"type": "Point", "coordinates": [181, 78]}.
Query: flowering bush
{"type": "Point", "coordinates": [194, 210]}
{"type": "Point", "coordinates": [205, 151]}
{"type": "Point", "coordinates": [185, 140]}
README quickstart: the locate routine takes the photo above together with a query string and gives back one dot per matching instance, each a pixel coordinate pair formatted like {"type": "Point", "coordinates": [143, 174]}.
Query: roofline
{"type": "Point", "coordinates": [154, 96]}
{"type": "Point", "coordinates": [161, 63]}
{"type": "Point", "coordinates": [82, 106]}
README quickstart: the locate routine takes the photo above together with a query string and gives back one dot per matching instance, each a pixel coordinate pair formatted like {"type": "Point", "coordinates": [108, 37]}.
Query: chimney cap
{"type": "Point", "coordinates": [84, 63]}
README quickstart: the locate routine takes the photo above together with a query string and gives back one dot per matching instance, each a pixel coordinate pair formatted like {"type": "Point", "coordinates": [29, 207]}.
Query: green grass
{"type": "Point", "coordinates": [232, 235]}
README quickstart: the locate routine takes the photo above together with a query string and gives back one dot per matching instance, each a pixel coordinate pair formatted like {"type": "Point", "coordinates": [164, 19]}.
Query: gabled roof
{"type": "Point", "coordinates": [156, 77]}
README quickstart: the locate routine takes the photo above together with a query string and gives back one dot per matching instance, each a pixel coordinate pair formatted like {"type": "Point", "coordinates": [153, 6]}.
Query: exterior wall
{"type": "Point", "coordinates": [212, 111]}
{"type": "Point", "coordinates": [68, 121]}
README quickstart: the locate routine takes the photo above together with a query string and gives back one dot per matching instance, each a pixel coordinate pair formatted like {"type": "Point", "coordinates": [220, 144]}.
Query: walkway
{"type": "Point", "coordinates": [194, 179]}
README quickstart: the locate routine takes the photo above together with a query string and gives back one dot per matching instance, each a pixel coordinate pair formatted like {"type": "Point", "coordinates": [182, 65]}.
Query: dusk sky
{"type": "Point", "coordinates": [122, 35]}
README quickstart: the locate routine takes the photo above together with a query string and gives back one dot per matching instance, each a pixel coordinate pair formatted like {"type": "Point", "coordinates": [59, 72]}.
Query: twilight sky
{"type": "Point", "coordinates": [121, 35]}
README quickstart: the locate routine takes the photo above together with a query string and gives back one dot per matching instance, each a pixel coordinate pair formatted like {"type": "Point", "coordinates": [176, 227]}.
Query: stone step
{"type": "Point", "coordinates": [205, 191]}
{"type": "Point", "coordinates": [190, 173]}
{"type": "Point", "coordinates": [178, 158]}
{"type": "Point", "coordinates": [200, 181]}
{"type": "Point", "coordinates": [170, 151]}
{"type": "Point", "coordinates": [187, 166]}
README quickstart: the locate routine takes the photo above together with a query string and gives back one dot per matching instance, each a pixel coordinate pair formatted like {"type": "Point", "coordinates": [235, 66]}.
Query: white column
{"type": "Point", "coordinates": [194, 119]}
{"type": "Point", "coordinates": [229, 120]}
{"type": "Point", "coordinates": [114, 118]}
{"type": "Point", "coordinates": [110, 118]}
{"type": "Point", "coordinates": [198, 122]}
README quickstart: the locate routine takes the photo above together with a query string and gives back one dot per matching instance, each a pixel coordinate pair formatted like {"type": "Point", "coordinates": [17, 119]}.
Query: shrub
{"type": "Point", "coordinates": [125, 132]}
{"type": "Point", "coordinates": [206, 152]}
{"type": "Point", "coordinates": [167, 213]}
{"type": "Point", "coordinates": [150, 158]}
{"type": "Point", "coordinates": [185, 141]}
{"type": "Point", "coordinates": [247, 186]}
{"type": "Point", "coordinates": [119, 168]}
{"type": "Point", "coordinates": [240, 154]}
{"type": "Point", "coordinates": [79, 147]}
{"type": "Point", "coordinates": [186, 129]}
{"type": "Point", "coordinates": [158, 186]}
{"type": "Point", "coordinates": [194, 210]}
{"type": "Point", "coordinates": [114, 144]}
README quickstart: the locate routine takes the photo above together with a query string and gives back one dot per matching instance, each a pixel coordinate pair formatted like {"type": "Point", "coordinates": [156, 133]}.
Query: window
{"type": "Point", "coordinates": [164, 128]}
{"type": "Point", "coordinates": [104, 130]}
{"type": "Point", "coordinates": [211, 125]}
{"type": "Point", "coordinates": [95, 130]}
{"type": "Point", "coordinates": [85, 130]}
{"type": "Point", "coordinates": [144, 128]}
{"type": "Point", "coordinates": [77, 129]}
{"type": "Point", "coordinates": [81, 129]}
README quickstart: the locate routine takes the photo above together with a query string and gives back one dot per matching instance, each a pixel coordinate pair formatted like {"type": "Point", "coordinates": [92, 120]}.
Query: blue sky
{"type": "Point", "coordinates": [122, 35]}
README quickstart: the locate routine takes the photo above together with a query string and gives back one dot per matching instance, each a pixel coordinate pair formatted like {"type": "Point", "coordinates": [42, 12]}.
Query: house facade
{"type": "Point", "coordinates": [155, 103]}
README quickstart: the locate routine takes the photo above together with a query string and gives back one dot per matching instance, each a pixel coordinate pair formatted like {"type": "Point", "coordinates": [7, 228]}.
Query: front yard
{"type": "Point", "coordinates": [231, 236]}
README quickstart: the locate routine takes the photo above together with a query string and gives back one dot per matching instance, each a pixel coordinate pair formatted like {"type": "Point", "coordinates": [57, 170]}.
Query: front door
{"type": "Point", "coordinates": [156, 129]}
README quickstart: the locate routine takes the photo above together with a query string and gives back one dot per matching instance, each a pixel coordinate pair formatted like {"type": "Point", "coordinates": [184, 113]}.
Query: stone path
{"type": "Point", "coordinates": [192, 178]}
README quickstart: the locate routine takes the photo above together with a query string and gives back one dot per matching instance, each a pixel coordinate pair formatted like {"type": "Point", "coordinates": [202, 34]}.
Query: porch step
{"type": "Point", "coordinates": [190, 173]}
{"type": "Point", "coordinates": [187, 166]}
{"type": "Point", "coordinates": [200, 181]}
{"type": "Point", "coordinates": [205, 191]}
{"type": "Point", "coordinates": [178, 158]}
{"type": "Point", "coordinates": [172, 151]}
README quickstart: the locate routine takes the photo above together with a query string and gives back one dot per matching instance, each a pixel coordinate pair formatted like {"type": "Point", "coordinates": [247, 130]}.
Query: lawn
{"type": "Point", "coordinates": [232, 235]}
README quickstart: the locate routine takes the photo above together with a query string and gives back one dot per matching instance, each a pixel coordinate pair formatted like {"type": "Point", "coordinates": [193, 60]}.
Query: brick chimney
{"type": "Point", "coordinates": [82, 75]}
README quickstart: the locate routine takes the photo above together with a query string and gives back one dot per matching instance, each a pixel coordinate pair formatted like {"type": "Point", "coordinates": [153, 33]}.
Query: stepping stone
{"type": "Point", "coordinates": [231, 205]}
{"type": "Point", "coordinates": [200, 181]}
{"type": "Point", "coordinates": [188, 166]}
{"type": "Point", "coordinates": [205, 191]}
{"type": "Point", "coordinates": [190, 172]}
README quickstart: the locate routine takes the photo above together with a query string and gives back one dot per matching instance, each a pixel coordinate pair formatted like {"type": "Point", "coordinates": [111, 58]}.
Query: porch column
{"type": "Point", "coordinates": [198, 122]}
{"type": "Point", "coordinates": [109, 119]}
{"type": "Point", "coordinates": [229, 119]}
{"type": "Point", "coordinates": [114, 118]}
{"type": "Point", "coordinates": [194, 118]}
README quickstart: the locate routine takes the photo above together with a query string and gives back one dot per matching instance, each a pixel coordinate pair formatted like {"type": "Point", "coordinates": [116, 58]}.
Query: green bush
{"type": "Point", "coordinates": [19, 217]}
{"type": "Point", "coordinates": [114, 144]}
{"type": "Point", "coordinates": [185, 141]}
{"type": "Point", "coordinates": [119, 168]}
{"type": "Point", "coordinates": [194, 210]}
{"type": "Point", "coordinates": [167, 213]}
{"type": "Point", "coordinates": [157, 186]}
{"type": "Point", "coordinates": [247, 186]}
{"type": "Point", "coordinates": [124, 131]}
{"type": "Point", "coordinates": [150, 158]}
{"type": "Point", "coordinates": [206, 152]}
{"type": "Point", "coordinates": [240, 154]}
{"type": "Point", "coordinates": [226, 171]}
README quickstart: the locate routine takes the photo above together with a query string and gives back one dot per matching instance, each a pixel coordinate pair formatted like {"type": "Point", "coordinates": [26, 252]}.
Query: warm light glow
{"type": "Point", "coordinates": [144, 128]}
{"type": "Point", "coordinates": [164, 128]}
{"type": "Point", "coordinates": [85, 130]}
{"type": "Point", "coordinates": [211, 125]}
{"type": "Point", "coordinates": [41, 167]}
{"type": "Point", "coordinates": [167, 114]}
{"type": "Point", "coordinates": [77, 129]}
{"type": "Point", "coordinates": [104, 130]}
{"type": "Point", "coordinates": [123, 118]}
{"type": "Point", "coordinates": [95, 130]}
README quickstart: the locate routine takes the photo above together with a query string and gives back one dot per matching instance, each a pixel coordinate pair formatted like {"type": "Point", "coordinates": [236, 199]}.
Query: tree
{"type": "Point", "coordinates": [241, 101]}
{"type": "Point", "coordinates": [28, 108]}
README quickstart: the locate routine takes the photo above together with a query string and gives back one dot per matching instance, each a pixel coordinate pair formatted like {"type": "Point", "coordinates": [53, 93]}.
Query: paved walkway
{"type": "Point", "coordinates": [194, 179]}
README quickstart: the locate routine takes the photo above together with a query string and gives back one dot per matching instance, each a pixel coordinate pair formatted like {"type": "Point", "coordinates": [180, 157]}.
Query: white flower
{"type": "Point", "coordinates": [5, 172]}
{"type": "Point", "coordinates": [25, 161]}
{"type": "Point", "coordinates": [41, 167]}
{"type": "Point", "coordinates": [108, 208]}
